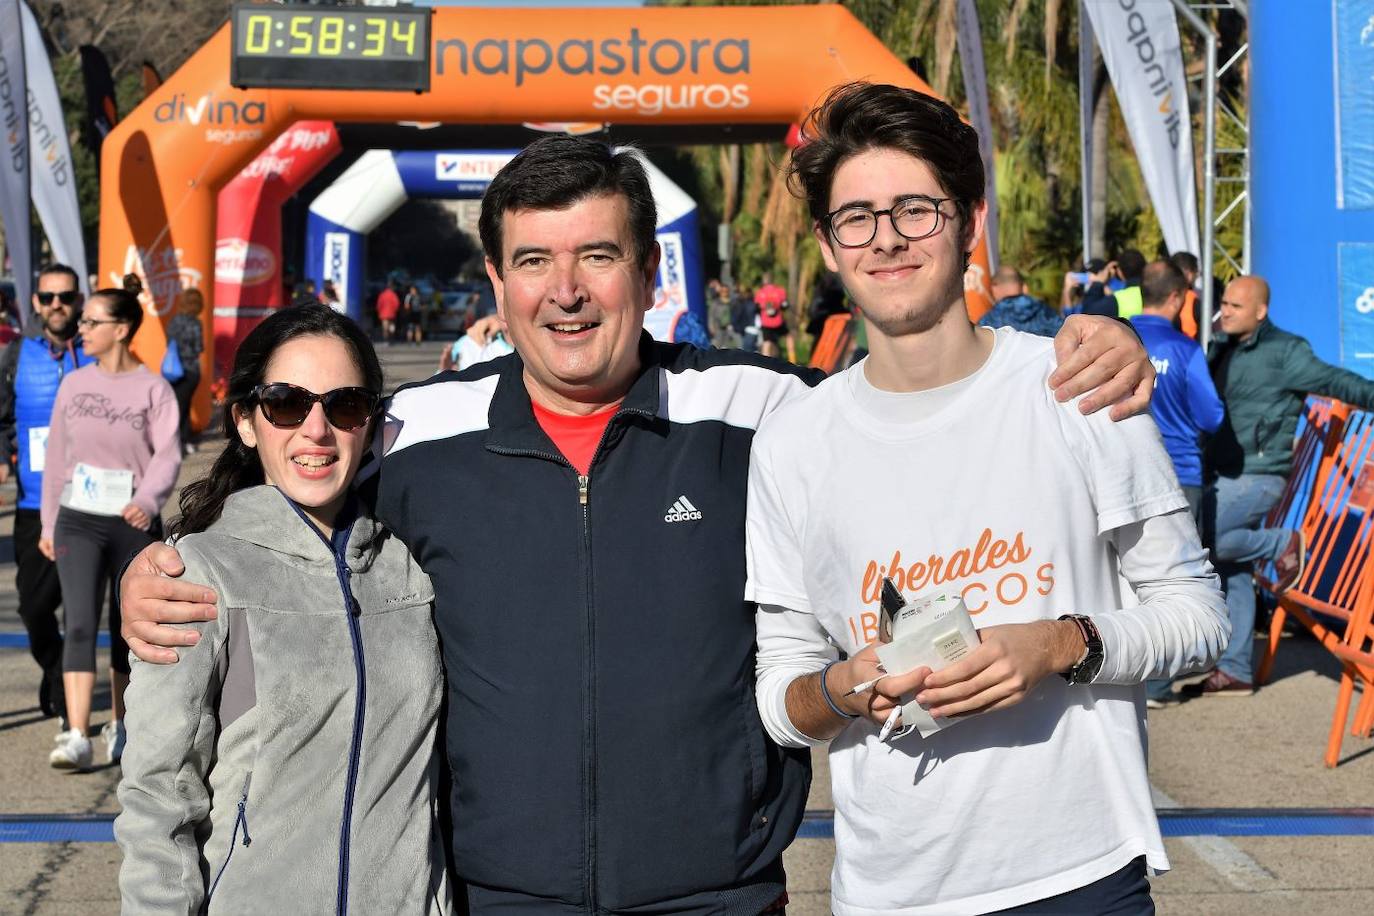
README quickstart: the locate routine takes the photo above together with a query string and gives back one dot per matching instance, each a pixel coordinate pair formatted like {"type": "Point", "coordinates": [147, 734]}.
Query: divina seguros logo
{"type": "Point", "coordinates": [630, 56]}
{"type": "Point", "coordinates": [209, 110]}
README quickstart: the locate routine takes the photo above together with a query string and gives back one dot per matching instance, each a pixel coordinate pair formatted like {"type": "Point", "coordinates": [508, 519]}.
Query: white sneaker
{"type": "Point", "coordinates": [73, 752]}
{"type": "Point", "coordinates": [114, 737]}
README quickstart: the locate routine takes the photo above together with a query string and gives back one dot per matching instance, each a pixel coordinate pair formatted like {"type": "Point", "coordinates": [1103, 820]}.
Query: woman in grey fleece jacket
{"type": "Point", "coordinates": [286, 762]}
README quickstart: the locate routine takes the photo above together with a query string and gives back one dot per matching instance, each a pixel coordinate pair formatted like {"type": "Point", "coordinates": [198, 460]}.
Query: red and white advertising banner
{"type": "Point", "coordinates": [248, 268]}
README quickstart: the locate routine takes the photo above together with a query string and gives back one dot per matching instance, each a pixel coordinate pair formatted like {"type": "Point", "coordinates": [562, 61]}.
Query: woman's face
{"type": "Point", "coordinates": [100, 333]}
{"type": "Point", "coordinates": [313, 463]}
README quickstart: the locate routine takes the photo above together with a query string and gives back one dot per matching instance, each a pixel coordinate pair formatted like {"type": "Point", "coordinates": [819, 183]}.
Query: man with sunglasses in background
{"type": "Point", "coordinates": [31, 368]}
{"type": "Point", "coordinates": [579, 506]}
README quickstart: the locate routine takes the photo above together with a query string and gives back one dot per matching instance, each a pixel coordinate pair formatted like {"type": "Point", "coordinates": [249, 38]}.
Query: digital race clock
{"type": "Point", "coordinates": [330, 47]}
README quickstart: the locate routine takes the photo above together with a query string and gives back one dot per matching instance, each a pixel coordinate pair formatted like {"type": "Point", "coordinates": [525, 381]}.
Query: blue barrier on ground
{"type": "Point", "coordinates": [820, 824]}
{"type": "Point", "coordinates": [1182, 822]}
{"type": "Point", "coordinates": [21, 640]}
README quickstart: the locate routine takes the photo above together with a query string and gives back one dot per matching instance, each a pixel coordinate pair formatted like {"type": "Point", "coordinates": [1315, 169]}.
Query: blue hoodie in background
{"type": "Point", "coordinates": [1185, 401]}
{"type": "Point", "coordinates": [1024, 313]}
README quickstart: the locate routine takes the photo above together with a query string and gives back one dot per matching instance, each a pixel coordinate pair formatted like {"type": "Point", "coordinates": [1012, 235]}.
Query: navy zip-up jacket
{"type": "Point", "coordinates": [1185, 402]}
{"type": "Point", "coordinates": [605, 748]}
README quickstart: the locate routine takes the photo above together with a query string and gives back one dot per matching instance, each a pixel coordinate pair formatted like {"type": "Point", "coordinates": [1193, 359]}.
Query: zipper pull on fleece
{"type": "Point", "coordinates": [583, 481]}
{"type": "Point", "coordinates": [243, 810]}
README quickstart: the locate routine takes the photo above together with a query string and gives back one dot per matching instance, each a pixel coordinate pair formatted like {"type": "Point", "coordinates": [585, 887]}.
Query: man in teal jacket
{"type": "Point", "coordinates": [1264, 374]}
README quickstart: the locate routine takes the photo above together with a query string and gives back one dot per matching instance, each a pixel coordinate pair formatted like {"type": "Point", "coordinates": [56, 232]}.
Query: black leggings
{"type": "Point", "coordinates": [185, 389]}
{"type": "Point", "coordinates": [89, 549]}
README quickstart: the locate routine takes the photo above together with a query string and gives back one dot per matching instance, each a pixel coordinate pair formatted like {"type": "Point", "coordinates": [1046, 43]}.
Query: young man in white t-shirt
{"type": "Point", "coordinates": [944, 461]}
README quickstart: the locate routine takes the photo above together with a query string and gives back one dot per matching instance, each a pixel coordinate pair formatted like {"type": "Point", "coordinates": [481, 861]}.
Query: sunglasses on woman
{"type": "Point", "coordinates": [286, 406]}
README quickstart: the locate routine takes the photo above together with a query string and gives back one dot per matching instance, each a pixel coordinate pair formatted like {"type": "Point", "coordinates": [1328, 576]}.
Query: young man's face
{"type": "Point", "coordinates": [903, 286]}
{"type": "Point", "coordinates": [574, 294]}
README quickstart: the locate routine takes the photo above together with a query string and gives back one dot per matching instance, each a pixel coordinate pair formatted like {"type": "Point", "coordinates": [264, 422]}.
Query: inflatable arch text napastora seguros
{"type": "Point", "coordinates": [164, 164]}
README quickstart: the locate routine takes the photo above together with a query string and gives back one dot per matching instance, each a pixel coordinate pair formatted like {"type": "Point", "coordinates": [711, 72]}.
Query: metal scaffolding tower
{"type": "Point", "coordinates": [1226, 169]}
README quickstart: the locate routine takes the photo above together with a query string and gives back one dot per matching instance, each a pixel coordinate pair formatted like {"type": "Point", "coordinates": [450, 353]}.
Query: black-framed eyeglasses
{"type": "Point", "coordinates": [286, 406]}
{"type": "Point", "coordinates": [94, 322]}
{"type": "Point", "coordinates": [66, 297]}
{"type": "Point", "coordinates": [913, 218]}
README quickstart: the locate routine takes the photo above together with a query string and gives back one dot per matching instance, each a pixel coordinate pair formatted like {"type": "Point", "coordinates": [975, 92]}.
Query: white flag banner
{"type": "Point", "coordinates": [53, 178]}
{"type": "Point", "coordinates": [976, 89]}
{"type": "Point", "coordinates": [1144, 56]}
{"type": "Point", "coordinates": [14, 170]}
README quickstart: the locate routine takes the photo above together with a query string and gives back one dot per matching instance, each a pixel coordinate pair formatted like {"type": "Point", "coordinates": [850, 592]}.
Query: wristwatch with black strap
{"type": "Point", "coordinates": [1085, 671]}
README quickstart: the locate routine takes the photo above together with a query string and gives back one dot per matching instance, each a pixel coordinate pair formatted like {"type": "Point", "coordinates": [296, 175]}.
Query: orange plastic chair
{"type": "Point", "coordinates": [1318, 436]}
{"type": "Point", "coordinates": [1339, 530]}
{"type": "Point", "coordinates": [1356, 653]}
{"type": "Point", "coordinates": [833, 344]}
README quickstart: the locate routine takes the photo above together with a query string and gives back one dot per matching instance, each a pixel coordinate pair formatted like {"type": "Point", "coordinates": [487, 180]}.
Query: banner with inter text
{"type": "Point", "coordinates": [1144, 56]}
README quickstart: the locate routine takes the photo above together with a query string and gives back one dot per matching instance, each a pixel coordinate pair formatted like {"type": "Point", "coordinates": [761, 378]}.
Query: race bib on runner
{"type": "Point", "coordinates": [101, 491]}
{"type": "Point", "coordinates": [38, 448]}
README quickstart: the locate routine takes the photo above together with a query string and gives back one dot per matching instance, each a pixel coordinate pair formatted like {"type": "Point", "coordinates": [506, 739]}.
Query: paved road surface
{"type": "Point", "coordinates": [1261, 752]}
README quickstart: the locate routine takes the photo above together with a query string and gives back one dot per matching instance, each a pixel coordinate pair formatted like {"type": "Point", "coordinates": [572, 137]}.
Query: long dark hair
{"type": "Point", "coordinates": [238, 466]}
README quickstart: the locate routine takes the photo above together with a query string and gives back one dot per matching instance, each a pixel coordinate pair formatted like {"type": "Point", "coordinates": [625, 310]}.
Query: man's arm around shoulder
{"type": "Point", "coordinates": [151, 597]}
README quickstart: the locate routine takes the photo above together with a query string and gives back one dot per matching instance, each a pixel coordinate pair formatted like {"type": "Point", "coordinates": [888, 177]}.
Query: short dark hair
{"type": "Point", "coordinates": [123, 303]}
{"type": "Point", "coordinates": [1159, 281]}
{"type": "Point", "coordinates": [862, 116]}
{"type": "Point", "coordinates": [238, 466]}
{"type": "Point", "coordinates": [1185, 261]}
{"type": "Point", "coordinates": [557, 171]}
{"type": "Point", "coordinates": [1131, 263]}
{"type": "Point", "coordinates": [59, 270]}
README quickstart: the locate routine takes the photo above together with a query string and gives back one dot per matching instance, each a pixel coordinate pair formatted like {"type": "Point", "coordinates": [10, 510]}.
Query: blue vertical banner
{"type": "Point", "coordinates": [1353, 22]}
{"type": "Point", "coordinates": [1356, 260]}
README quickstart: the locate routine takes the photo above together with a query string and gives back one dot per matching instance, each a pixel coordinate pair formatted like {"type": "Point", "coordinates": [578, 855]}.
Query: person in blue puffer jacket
{"type": "Point", "coordinates": [31, 368]}
{"type": "Point", "coordinates": [1015, 308]}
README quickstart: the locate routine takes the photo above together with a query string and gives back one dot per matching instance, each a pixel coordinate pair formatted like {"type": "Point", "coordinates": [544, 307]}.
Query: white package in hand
{"type": "Point", "coordinates": [932, 632]}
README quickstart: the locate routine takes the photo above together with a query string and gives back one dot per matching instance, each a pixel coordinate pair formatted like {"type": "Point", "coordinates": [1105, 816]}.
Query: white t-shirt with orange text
{"type": "Point", "coordinates": [1011, 499]}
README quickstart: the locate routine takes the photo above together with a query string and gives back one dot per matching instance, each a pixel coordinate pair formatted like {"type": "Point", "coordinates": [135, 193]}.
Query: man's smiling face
{"type": "Point", "coordinates": [902, 286]}
{"type": "Point", "coordinates": [573, 294]}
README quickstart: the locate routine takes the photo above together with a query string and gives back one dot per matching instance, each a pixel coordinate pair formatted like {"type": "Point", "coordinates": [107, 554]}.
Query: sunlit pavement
{"type": "Point", "coordinates": [1259, 753]}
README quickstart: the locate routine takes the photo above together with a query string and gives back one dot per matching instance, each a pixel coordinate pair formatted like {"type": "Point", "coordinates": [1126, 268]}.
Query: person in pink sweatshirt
{"type": "Point", "coordinates": [112, 458]}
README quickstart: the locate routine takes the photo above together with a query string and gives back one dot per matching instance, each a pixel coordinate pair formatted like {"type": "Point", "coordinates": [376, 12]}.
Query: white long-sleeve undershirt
{"type": "Point", "coordinates": [1179, 626]}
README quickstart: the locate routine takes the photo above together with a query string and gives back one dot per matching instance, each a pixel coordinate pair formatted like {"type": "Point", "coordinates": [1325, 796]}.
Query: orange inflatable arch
{"type": "Point", "coordinates": [164, 164]}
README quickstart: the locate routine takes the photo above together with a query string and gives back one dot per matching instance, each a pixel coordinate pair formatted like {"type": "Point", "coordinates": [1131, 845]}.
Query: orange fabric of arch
{"type": "Point", "coordinates": [165, 162]}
